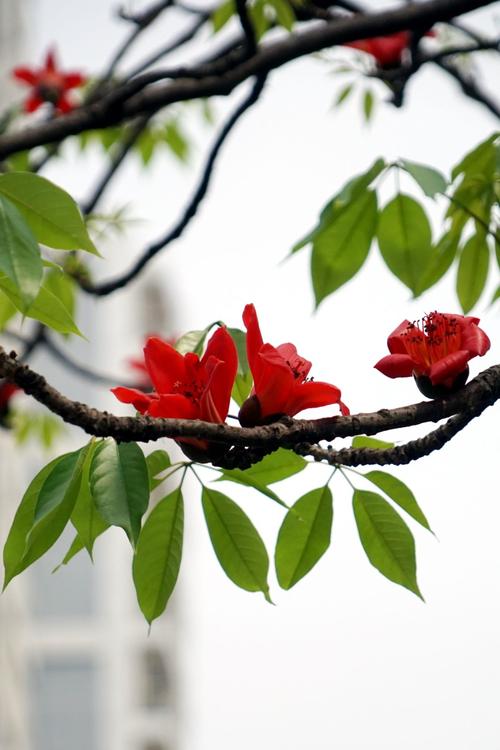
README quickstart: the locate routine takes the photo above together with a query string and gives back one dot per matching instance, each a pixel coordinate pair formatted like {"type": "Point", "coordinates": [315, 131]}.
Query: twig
{"type": "Point", "coordinates": [246, 25]}
{"type": "Point", "coordinates": [470, 87]}
{"type": "Point", "coordinates": [190, 210]}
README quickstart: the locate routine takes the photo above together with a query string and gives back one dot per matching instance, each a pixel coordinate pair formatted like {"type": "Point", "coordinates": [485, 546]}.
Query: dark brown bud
{"type": "Point", "coordinates": [441, 390]}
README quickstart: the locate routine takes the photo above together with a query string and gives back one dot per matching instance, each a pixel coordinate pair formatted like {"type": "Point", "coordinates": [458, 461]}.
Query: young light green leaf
{"type": "Point", "coordinates": [193, 341]}
{"type": "Point", "coordinates": [405, 239]}
{"type": "Point", "coordinates": [46, 308]}
{"type": "Point", "coordinates": [304, 536]}
{"type": "Point", "coordinates": [342, 248]}
{"type": "Point", "coordinates": [20, 258]}
{"type": "Point", "coordinates": [400, 494]}
{"type": "Point", "coordinates": [259, 18]}
{"type": "Point", "coordinates": [361, 441]}
{"type": "Point", "coordinates": [119, 483]}
{"type": "Point", "coordinates": [157, 462]}
{"type": "Point", "coordinates": [472, 270]}
{"type": "Point", "coordinates": [85, 517]}
{"type": "Point", "coordinates": [63, 287]}
{"type": "Point", "coordinates": [276, 466]}
{"type": "Point", "coordinates": [158, 556]}
{"type": "Point", "coordinates": [386, 539]}
{"type": "Point", "coordinates": [52, 214]}
{"type": "Point", "coordinates": [427, 178]}
{"type": "Point", "coordinates": [176, 141]}
{"type": "Point", "coordinates": [23, 522]}
{"type": "Point", "coordinates": [236, 542]}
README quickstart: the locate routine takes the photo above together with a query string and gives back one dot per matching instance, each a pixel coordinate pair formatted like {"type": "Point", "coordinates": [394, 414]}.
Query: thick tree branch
{"type": "Point", "coordinates": [190, 210]}
{"type": "Point", "coordinates": [269, 57]}
{"type": "Point", "coordinates": [480, 393]}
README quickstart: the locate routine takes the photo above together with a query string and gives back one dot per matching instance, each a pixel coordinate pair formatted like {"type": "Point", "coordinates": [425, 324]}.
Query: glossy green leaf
{"type": "Point", "coordinates": [430, 180]}
{"type": "Point", "coordinates": [7, 310]}
{"type": "Point", "coordinates": [236, 542]}
{"type": "Point", "coordinates": [85, 517]}
{"type": "Point", "coordinates": [63, 287]}
{"type": "Point", "coordinates": [362, 441]}
{"type": "Point", "coordinates": [386, 539]}
{"type": "Point", "coordinates": [399, 493]}
{"type": "Point", "coordinates": [52, 214]}
{"type": "Point", "coordinates": [348, 194]}
{"type": "Point", "coordinates": [443, 255]}
{"type": "Point", "coordinates": [276, 466]}
{"type": "Point", "coordinates": [46, 308]}
{"type": "Point", "coordinates": [119, 483]}
{"type": "Point", "coordinates": [304, 536]}
{"type": "Point", "coordinates": [157, 462]}
{"type": "Point", "coordinates": [341, 249]}
{"type": "Point", "coordinates": [472, 270]}
{"type": "Point", "coordinates": [193, 341]}
{"type": "Point", "coordinates": [405, 239]}
{"type": "Point", "coordinates": [44, 512]}
{"type": "Point", "coordinates": [20, 258]}
{"type": "Point", "coordinates": [158, 556]}
{"type": "Point", "coordinates": [240, 476]}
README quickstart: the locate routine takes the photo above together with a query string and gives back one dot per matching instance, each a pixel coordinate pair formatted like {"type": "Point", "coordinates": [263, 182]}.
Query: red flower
{"type": "Point", "coordinates": [280, 380]}
{"type": "Point", "coordinates": [186, 386]}
{"type": "Point", "coordinates": [7, 390]}
{"type": "Point", "coordinates": [387, 50]}
{"type": "Point", "coordinates": [48, 85]}
{"type": "Point", "coordinates": [435, 351]}
{"type": "Point", "coordinates": [140, 368]}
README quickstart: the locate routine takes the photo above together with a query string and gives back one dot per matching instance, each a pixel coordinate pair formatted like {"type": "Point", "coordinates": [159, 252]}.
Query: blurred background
{"type": "Point", "coordinates": [345, 660]}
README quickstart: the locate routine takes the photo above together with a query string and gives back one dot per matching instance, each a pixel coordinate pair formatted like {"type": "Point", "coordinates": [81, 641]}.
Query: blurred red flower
{"type": "Point", "coordinates": [387, 50]}
{"type": "Point", "coordinates": [48, 85]}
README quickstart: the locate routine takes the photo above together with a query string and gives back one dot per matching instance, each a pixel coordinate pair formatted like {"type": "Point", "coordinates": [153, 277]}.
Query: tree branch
{"type": "Point", "coordinates": [480, 393]}
{"type": "Point", "coordinates": [190, 210]}
{"type": "Point", "coordinates": [269, 57]}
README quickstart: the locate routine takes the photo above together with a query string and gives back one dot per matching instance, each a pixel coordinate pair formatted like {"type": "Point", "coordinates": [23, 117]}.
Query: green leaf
{"type": "Point", "coordinates": [405, 239]}
{"type": "Point", "coordinates": [386, 539]}
{"type": "Point", "coordinates": [63, 287]}
{"type": "Point", "coordinates": [20, 258]}
{"type": "Point", "coordinates": [480, 161]}
{"type": "Point", "coordinates": [240, 339]}
{"type": "Point", "coordinates": [222, 14]}
{"type": "Point", "coordinates": [7, 310]}
{"type": "Point", "coordinates": [236, 542]}
{"type": "Point", "coordinates": [344, 94]}
{"type": "Point", "coordinates": [52, 214]}
{"type": "Point", "coordinates": [399, 493]}
{"type": "Point", "coordinates": [158, 556]}
{"type": "Point", "coordinates": [176, 141]}
{"type": "Point", "coordinates": [304, 536]}
{"type": "Point", "coordinates": [44, 512]}
{"type": "Point", "coordinates": [157, 462]}
{"type": "Point", "coordinates": [428, 179]}
{"type": "Point", "coordinates": [443, 255]}
{"type": "Point", "coordinates": [193, 341]}
{"type": "Point", "coordinates": [242, 387]}
{"type": "Point", "coordinates": [46, 308]}
{"type": "Point", "coordinates": [259, 18]}
{"type": "Point", "coordinates": [120, 485]}
{"type": "Point", "coordinates": [85, 517]}
{"type": "Point", "coordinates": [361, 441]}
{"type": "Point", "coordinates": [368, 104]}
{"type": "Point", "coordinates": [472, 270]}
{"type": "Point", "coordinates": [240, 477]}
{"type": "Point", "coordinates": [284, 13]}
{"type": "Point", "coordinates": [496, 295]}
{"type": "Point", "coordinates": [341, 249]}
{"type": "Point", "coordinates": [276, 466]}
{"type": "Point", "coordinates": [348, 194]}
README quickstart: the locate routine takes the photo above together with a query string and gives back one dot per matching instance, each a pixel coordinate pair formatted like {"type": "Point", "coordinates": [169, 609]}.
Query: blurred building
{"type": "Point", "coordinates": [77, 668]}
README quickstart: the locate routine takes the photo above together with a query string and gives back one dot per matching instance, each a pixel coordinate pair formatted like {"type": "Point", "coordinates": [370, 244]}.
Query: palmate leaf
{"type": "Point", "coordinates": [473, 270]}
{"type": "Point", "coordinates": [20, 259]}
{"type": "Point", "coordinates": [304, 536]}
{"type": "Point", "coordinates": [386, 539]}
{"type": "Point", "coordinates": [51, 213]}
{"type": "Point", "coordinates": [119, 483]}
{"type": "Point", "coordinates": [85, 517]}
{"type": "Point", "coordinates": [275, 467]}
{"type": "Point", "coordinates": [430, 180]}
{"type": "Point", "coordinates": [157, 462]}
{"type": "Point", "coordinates": [399, 493]}
{"type": "Point", "coordinates": [362, 441]}
{"type": "Point", "coordinates": [240, 476]}
{"type": "Point", "coordinates": [158, 555]}
{"type": "Point", "coordinates": [236, 542]}
{"type": "Point", "coordinates": [43, 513]}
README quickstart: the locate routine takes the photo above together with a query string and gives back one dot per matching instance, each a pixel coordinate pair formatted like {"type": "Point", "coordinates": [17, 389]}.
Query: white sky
{"type": "Point", "coordinates": [345, 660]}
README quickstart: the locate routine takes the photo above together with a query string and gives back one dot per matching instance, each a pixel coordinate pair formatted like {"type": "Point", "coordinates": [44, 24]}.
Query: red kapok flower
{"type": "Point", "coordinates": [281, 386]}
{"type": "Point", "coordinates": [48, 85]}
{"type": "Point", "coordinates": [138, 365]}
{"type": "Point", "coordinates": [435, 351]}
{"type": "Point", "coordinates": [387, 50]}
{"type": "Point", "coordinates": [187, 387]}
{"type": "Point", "coordinates": [7, 390]}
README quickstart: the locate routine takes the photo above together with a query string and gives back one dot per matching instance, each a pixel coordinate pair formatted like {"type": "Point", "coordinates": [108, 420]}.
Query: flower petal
{"type": "Point", "coordinates": [396, 366]}
{"type": "Point", "coordinates": [72, 80]}
{"type": "Point", "coordinates": [26, 75]}
{"type": "Point", "coordinates": [310, 395]}
{"type": "Point", "coordinates": [396, 340]}
{"type": "Point", "coordinates": [32, 103]}
{"type": "Point", "coordinates": [474, 339]}
{"type": "Point", "coordinates": [165, 364]}
{"type": "Point", "coordinates": [173, 405]}
{"type": "Point", "coordinates": [254, 339]}
{"type": "Point", "coordinates": [274, 382]}
{"type": "Point", "coordinates": [140, 401]}
{"type": "Point", "coordinates": [63, 104]}
{"type": "Point", "coordinates": [299, 365]}
{"type": "Point", "coordinates": [449, 366]}
{"type": "Point", "coordinates": [221, 362]}
{"type": "Point", "coordinates": [50, 61]}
